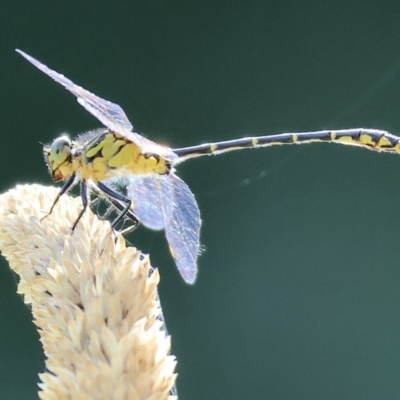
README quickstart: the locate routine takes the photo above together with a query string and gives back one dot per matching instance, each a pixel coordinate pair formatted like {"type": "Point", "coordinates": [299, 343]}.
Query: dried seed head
{"type": "Point", "coordinates": [93, 299]}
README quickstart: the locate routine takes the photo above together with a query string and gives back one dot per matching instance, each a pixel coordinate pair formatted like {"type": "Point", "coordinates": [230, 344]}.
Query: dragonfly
{"type": "Point", "coordinates": [113, 158]}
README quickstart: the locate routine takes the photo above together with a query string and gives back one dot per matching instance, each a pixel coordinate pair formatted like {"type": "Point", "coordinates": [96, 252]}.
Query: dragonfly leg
{"type": "Point", "coordinates": [129, 214]}
{"type": "Point", "coordinates": [67, 185]}
{"type": "Point", "coordinates": [84, 197]}
{"type": "Point", "coordinates": [120, 207]}
{"type": "Point", "coordinates": [121, 203]}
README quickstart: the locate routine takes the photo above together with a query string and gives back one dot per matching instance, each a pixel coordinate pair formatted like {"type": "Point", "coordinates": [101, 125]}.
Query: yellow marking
{"type": "Point", "coordinates": [94, 150]}
{"type": "Point", "coordinates": [254, 142]}
{"type": "Point", "coordinates": [213, 148]}
{"type": "Point", "coordinates": [384, 142]}
{"type": "Point", "coordinates": [277, 143]}
{"type": "Point", "coordinates": [98, 167]}
{"type": "Point", "coordinates": [346, 139]}
{"type": "Point", "coordinates": [333, 135]}
{"type": "Point", "coordinates": [367, 139]}
{"type": "Point", "coordinates": [396, 148]}
{"type": "Point", "coordinates": [152, 158]}
{"type": "Point", "coordinates": [66, 169]}
{"type": "Point", "coordinates": [127, 155]}
{"type": "Point", "coordinates": [113, 148]}
{"type": "Point", "coordinates": [236, 148]}
{"type": "Point", "coordinates": [295, 138]}
{"type": "Point", "coordinates": [130, 159]}
{"type": "Point", "coordinates": [308, 140]}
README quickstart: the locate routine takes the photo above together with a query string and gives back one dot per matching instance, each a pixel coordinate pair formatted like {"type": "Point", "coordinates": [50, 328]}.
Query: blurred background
{"type": "Point", "coordinates": [298, 291]}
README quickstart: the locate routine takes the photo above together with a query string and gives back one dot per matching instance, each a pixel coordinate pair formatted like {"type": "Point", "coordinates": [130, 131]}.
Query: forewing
{"type": "Point", "coordinates": [109, 114]}
{"type": "Point", "coordinates": [144, 191]}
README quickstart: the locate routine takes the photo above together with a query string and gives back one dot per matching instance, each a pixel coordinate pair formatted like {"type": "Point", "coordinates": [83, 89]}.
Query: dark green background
{"type": "Point", "coordinates": [298, 292]}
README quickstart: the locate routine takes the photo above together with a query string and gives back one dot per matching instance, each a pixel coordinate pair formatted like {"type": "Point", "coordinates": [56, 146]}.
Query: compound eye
{"type": "Point", "coordinates": [60, 149]}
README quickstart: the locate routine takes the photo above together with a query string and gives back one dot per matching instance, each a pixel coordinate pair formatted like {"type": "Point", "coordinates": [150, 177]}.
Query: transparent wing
{"type": "Point", "coordinates": [182, 227]}
{"type": "Point", "coordinates": [144, 192]}
{"type": "Point", "coordinates": [165, 200]}
{"type": "Point", "coordinates": [109, 114]}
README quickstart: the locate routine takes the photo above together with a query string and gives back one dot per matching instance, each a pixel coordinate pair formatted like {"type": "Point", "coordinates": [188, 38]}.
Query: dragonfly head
{"type": "Point", "coordinates": [58, 158]}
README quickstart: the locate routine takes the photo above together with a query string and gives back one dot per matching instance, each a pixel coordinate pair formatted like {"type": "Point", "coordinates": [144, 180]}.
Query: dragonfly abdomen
{"type": "Point", "coordinates": [373, 139]}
